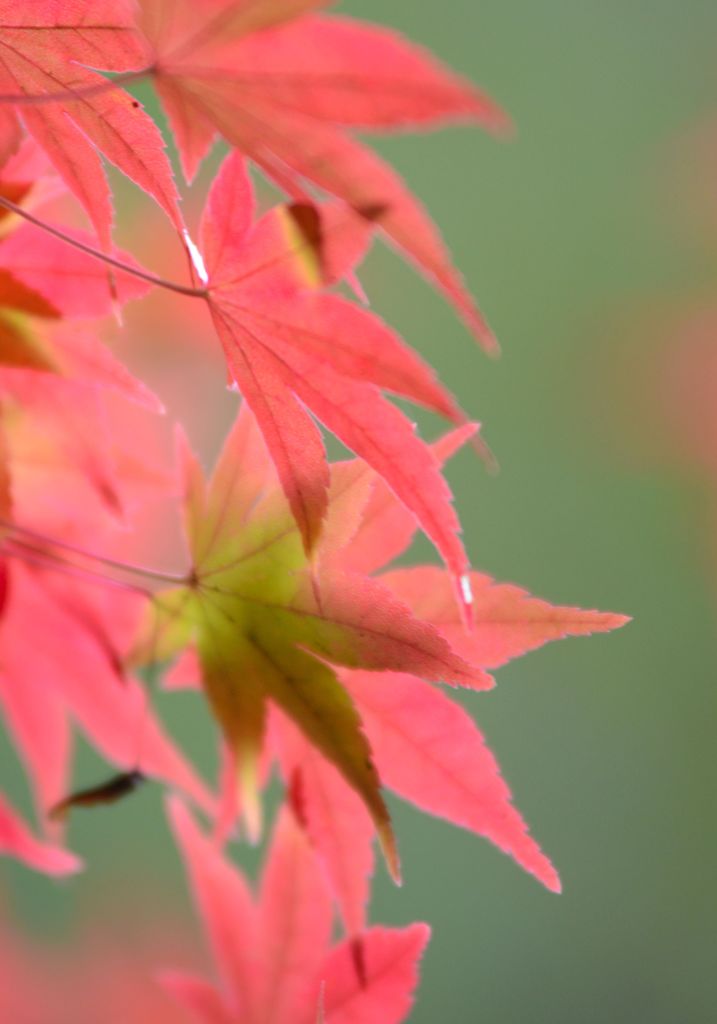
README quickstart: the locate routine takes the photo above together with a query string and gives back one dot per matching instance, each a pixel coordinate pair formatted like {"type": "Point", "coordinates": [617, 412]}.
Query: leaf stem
{"type": "Point", "coordinates": [111, 563]}
{"type": "Point", "coordinates": [45, 559]}
{"type": "Point", "coordinates": [67, 95]}
{"type": "Point", "coordinates": [127, 268]}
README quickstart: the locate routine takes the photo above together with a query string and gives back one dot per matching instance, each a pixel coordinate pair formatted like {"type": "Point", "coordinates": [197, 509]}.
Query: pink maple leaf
{"type": "Point", "coordinates": [249, 570]}
{"type": "Point", "coordinates": [273, 952]}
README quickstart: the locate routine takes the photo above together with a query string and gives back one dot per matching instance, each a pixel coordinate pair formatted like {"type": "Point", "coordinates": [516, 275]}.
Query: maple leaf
{"type": "Point", "coordinates": [273, 954]}
{"type": "Point", "coordinates": [282, 89]}
{"type": "Point", "coordinates": [280, 84]}
{"type": "Point", "coordinates": [267, 622]}
{"type": "Point", "coordinates": [427, 749]}
{"type": "Point", "coordinates": [289, 346]}
{"type": "Point", "coordinates": [336, 823]}
{"type": "Point", "coordinates": [268, 625]}
{"type": "Point", "coordinates": [507, 621]}
{"type": "Point", "coordinates": [287, 349]}
{"type": "Point", "coordinates": [47, 51]}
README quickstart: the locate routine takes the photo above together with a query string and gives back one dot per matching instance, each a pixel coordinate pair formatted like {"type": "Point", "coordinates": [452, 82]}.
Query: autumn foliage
{"type": "Point", "coordinates": [319, 661]}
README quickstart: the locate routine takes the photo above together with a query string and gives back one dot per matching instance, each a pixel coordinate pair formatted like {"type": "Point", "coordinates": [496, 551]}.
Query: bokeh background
{"type": "Point", "coordinates": [590, 238]}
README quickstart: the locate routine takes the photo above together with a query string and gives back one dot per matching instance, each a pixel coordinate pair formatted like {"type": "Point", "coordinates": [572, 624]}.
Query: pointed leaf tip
{"type": "Point", "coordinates": [389, 848]}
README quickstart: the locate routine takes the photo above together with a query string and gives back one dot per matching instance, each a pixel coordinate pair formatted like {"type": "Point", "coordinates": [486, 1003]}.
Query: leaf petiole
{"type": "Point", "coordinates": [127, 268]}
{"type": "Point", "coordinates": [111, 563]}
{"type": "Point", "coordinates": [68, 95]}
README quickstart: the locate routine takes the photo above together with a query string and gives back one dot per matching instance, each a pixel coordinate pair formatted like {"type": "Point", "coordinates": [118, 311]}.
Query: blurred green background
{"type": "Point", "coordinates": [607, 743]}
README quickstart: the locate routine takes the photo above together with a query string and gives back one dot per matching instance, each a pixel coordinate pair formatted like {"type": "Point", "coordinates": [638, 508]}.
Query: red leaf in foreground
{"type": "Point", "coordinates": [46, 51]}
{"type": "Point", "coordinates": [225, 905]}
{"type": "Point", "coordinates": [384, 528]}
{"type": "Point", "coordinates": [282, 89]}
{"type": "Point", "coordinates": [507, 620]}
{"type": "Point", "coordinates": [285, 95]}
{"type": "Point", "coordinates": [269, 626]}
{"type": "Point", "coordinates": [287, 350]}
{"type": "Point", "coordinates": [343, 71]}
{"type": "Point", "coordinates": [274, 955]}
{"type": "Point", "coordinates": [429, 751]}
{"type": "Point", "coordinates": [338, 826]}
{"type": "Point", "coordinates": [295, 929]}
{"type": "Point", "coordinates": [391, 957]}
{"type": "Point", "coordinates": [291, 435]}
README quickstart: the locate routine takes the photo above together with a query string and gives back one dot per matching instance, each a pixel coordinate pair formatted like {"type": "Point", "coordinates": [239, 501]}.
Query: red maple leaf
{"type": "Point", "coordinates": [271, 627]}
{"type": "Point", "coordinates": [288, 349]}
{"type": "Point", "coordinates": [284, 86]}
{"type": "Point", "coordinates": [47, 52]}
{"type": "Point", "coordinates": [283, 89]}
{"type": "Point", "coordinates": [290, 346]}
{"type": "Point", "coordinates": [274, 956]}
